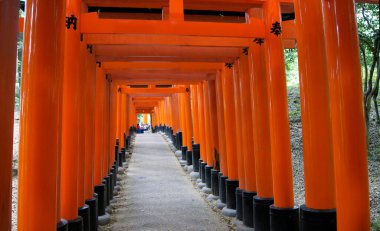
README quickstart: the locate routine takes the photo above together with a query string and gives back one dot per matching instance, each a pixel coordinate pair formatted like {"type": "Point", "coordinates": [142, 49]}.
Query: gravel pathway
{"type": "Point", "coordinates": [158, 195]}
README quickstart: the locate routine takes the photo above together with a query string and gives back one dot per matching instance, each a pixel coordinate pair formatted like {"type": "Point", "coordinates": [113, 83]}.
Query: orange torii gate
{"type": "Point", "coordinates": [227, 100]}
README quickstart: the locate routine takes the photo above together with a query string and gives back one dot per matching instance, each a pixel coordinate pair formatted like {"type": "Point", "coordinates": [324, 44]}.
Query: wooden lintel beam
{"type": "Point", "coordinates": [153, 90]}
{"type": "Point", "coordinates": [92, 24]}
{"type": "Point", "coordinates": [163, 65]}
{"type": "Point", "coordinates": [175, 40]}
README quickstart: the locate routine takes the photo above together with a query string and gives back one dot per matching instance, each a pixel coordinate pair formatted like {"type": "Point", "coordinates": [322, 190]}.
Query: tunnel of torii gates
{"type": "Point", "coordinates": [215, 85]}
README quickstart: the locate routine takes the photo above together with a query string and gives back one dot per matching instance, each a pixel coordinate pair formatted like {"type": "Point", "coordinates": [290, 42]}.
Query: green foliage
{"type": "Point", "coordinates": [375, 226]}
{"type": "Point", "coordinates": [291, 67]}
{"type": "Point", "coordinates": [369, 42]}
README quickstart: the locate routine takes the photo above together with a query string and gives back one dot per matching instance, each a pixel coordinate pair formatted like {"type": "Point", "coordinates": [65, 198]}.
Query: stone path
{"type": "Point", "coordinates": [158, 195]}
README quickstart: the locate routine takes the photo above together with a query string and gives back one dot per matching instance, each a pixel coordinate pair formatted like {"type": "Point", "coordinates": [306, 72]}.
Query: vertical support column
{"type": "Point", "coordinates": [223, 174]}
{"type": "Point", "coordinates": [319, 211]}
{"type": "Point", "coordinates": [90, 86]}
{"type": "Point", "coordinates": [195, 119]}
{"type": "Point", "coordinates": [8, 50]}
{"type": "Point", "coordinates": [348, 124]}
{"type": "Point", "coordinates": [214, 174]}
{"type": "Point", "coordinates": [100, 187]}
{"type": "Point", "coordinates": [202, 136]}
{"type": "Point", "coordinates": [261, 135]}
{"type": "Point", "coordinates": [241, 148]}
{"type": "Point", "coordinates": [71, 122]}
{"type": "Point", "coordinates": [194, 112]}
{"type": "Point", "coordinates": [175, 113]}
{"type": "Point", "coordinates": [40, 119]}
{"type": "Point", "coordinates": [182, 112]}
{"type": "Point", "coordinates": [207, 127]}
{"type": "Point", "coordinates": [189, 127]}
{"type": "Point", "coordinates": [83, 209]}
{"type": "Point", "coordinates": [201, 124]}
{"type": "Point", "coordinates": [106, 133]}
{"type": "Point", "coordinates": [284, 216]}
{"type": "Point", "coordinates": [248, 141]}
{"type": "Point", "coordinates": [208, 138]}
{"type": "Point", "coordinates": [176, 12]}
{"type": "Point", "coordinates": [229, 122]}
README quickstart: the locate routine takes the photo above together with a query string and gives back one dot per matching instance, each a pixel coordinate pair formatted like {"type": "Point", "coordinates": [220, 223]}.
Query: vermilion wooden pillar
{"type": "Point", "coordinates": [237, 123]}
{"type": "Point", "coordinates": [40, 119]}
{"type": "Point", "coordinates": [230, 130]}
{"type": "Point", "coordinates": [90, 85]}
{"type": "Point", "coordinates": [316, 118]}
{"type": "Point", "coordinates": [220, 125]}
{"type": "Point", "coordinates": [175, 113]}
{"type": "Point", "coordinates": [247, 141]}
{"type": "Point", "coordinates": [106, 131]}
{"type": "Point", "coordinates": [113, 122]}
{"type": "Point", "coordinates": [99, 124]}
{"type": "Point", "coordinates": [261, 134]}
{"type": "Point", "coordinates": [84, 210]}
{"type": "Point", "coordinates": [207, 127]}
{"type": "Point", "coordinates": [189, 123]}
{"type": "Point", "coordinates": [71, 123]}
{"type": "Point", "coordinates": [348, 124]}
{"type": "Point", "coordinates": [283, 212]}
{"type": "Point", "coordinates": [213, 122]}
{"type": "Point", "coordinates": [8, 51]}
{"type": "Point", "coordinates": [247, 120]}
{"type": "Point", "coordinates": [201, 122]}
{"type": "Point", "coordinates": [182, 119]}
{"type": "Point", "coordinates": [194, 112]}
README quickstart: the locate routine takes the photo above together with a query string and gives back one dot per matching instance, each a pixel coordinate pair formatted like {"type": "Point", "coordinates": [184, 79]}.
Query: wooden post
{"type": "Point", "coordinates": [8, 51]}
{"type": "Point", "coordinates": [230, 130]}
{"type": "Point", "coordinates": [71, 121]}
{"type": "Point", "coordinates": [40, 119]}
{"type": "Point", "coordinates": [221, 126]}
{"type": "Point", "coordinates": [316, 118]}
{"type": "Point", "coordinates": [347, 115]}
{"type": "Point", "coordinates": [283, 212]}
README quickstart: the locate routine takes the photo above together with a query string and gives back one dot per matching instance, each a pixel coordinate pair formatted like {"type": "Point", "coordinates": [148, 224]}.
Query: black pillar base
{"type": "Point", "coordinates": [284, 219]}
{"type": "Point", "coordinates": [106, 182]}
{"type": "Point", "coordinates": [63, 225]}
{"type": "Point", "coordinates": [100, 191]}
{"type": "Point", "coordinates": [120, 163]}
{"type": "Point", "coordinates": [196, 156]}
{"type": "Point", "coordinates": [184, 150]}
{"type": "Point", "coordinates": [231, 186]}
{"type": "Point", "coordinates": [200, 168]}
{"type": "Point", "coordinates": [215, 182]}
{"type": "Point", "coordinates": [208, 176]}
{"type": "Point", "coordinates": [239, 204]}
{"type": "Point", "coordinates": [313, 220]}
{"type": "Point", "coordinates": [248, 216]}
{"type": "Point", "coordinates": [114, 171]}
{"type": "Point", "coordinates": [203, 172]}
{"type": "Point", "coordinates": [189, 158]}
{"type": "Point", "coordinates": [76, 224]}
{"type": "Point", "coordinates": [93, 204]}
{"type": "Point", "coordinates": [222, 187]}
{"type": "Point", "coordinates": [261, 212]}
{"type": "Point", "coordinates": [111, 185]}
{"type": "Point", "coordinates": [84, 212]}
